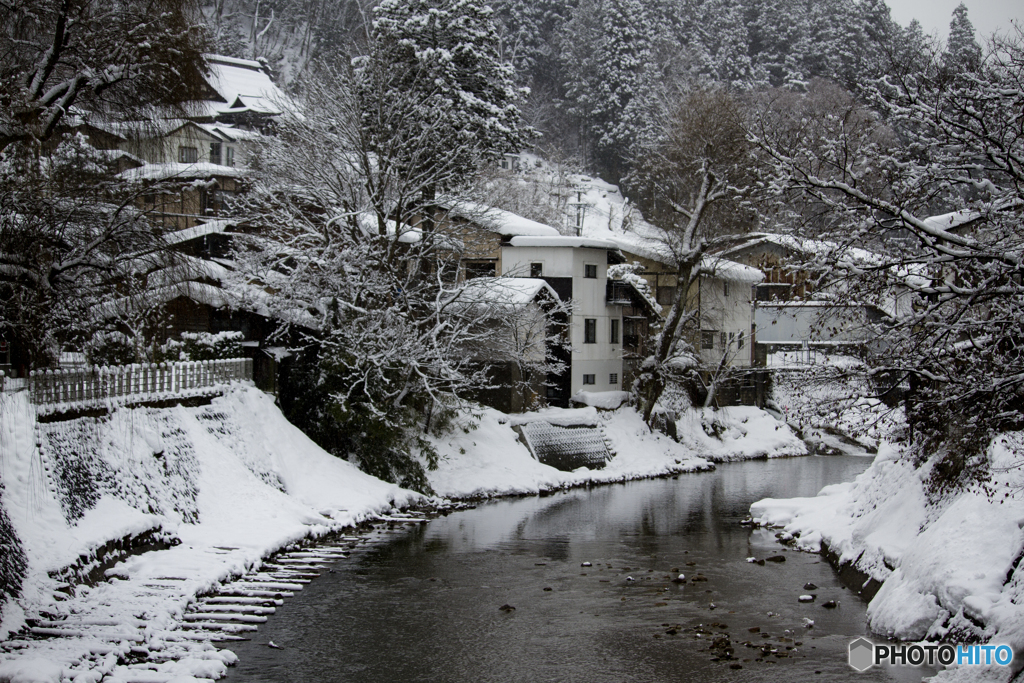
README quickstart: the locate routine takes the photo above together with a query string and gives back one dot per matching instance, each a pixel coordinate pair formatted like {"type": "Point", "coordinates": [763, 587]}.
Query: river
{"type": "Point", "coordinates": [424, 603]}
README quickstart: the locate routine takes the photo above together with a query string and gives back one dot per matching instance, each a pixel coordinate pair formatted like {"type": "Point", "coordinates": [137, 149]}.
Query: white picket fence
{"type": "Point", "coordinates": [53, 390]}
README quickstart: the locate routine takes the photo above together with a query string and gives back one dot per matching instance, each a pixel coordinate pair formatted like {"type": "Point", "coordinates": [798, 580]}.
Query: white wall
{"type": "Point", "coordinates": [730, 313]}
{"type": "Point", "coordinates": [601, 359]}
{"type": "Point", "coordinates": [807, 321]}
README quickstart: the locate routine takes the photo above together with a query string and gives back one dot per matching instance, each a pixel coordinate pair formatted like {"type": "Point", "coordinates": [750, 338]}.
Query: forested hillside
{"type": "Point", "coordinates": [600, 71]}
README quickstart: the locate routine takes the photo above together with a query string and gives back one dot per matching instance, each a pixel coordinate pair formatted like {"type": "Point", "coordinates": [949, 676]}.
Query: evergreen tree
{"type": "Point", "coordinates": [437, 62]}
{"type": "Point", "coordinates": [962, 50]}
{"type": "Point", "coordinates": [605, 66]}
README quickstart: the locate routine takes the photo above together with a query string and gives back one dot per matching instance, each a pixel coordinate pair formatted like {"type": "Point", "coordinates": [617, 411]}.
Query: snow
{"type": "Point", "coordinates": [174, 169]}
{"type": "Point", "coordinates": [944, 560]}
{"type": "Point", "coordinates": [560, 241]}
{"type": "Point", "coordinates": [505, 290]}
{"type": "Point", "coordinates": [605, 400]}
{"type": "Point", "coordinates": [954, 219]}
{"type": "Point", "coordinates": [245, 80]}
{"type": "Point", "coordinates": [256, 484]}
{"type": "Point", "coordinates": [501, 221]}
{"type": "Point", "coordinates": [484, 457]}
{"type": "Point", "coordinates": [201, 230]}
{"type": "Point", "coordinates": [743, 432]}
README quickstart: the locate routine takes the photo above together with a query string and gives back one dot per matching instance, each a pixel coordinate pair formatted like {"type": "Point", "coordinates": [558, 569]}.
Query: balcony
{"type": "Point", "coordinates": [617, 293]}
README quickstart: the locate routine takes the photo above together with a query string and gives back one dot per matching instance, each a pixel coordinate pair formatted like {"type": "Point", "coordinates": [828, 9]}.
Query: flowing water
{"type": "Point", "coordinates": [424, 603]}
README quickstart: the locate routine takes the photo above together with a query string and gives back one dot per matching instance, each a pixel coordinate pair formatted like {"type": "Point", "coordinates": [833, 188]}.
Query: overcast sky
{"type": "Point", "coordinates": [986, 15]}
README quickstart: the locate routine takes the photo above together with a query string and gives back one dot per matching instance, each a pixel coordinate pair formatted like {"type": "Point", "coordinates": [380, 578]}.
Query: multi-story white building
{"type": "Point", "coordinates": [577, 270]}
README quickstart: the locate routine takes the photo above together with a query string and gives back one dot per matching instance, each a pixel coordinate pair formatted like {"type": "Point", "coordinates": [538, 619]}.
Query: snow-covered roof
{"type": "Point", "coordinates": [505, 290]}
{"type": "Point", "coordinates": [228, 133]}
{"type": "Point", "coordinates": [501, 221]}
{"type": "Point", "coordinates": [730, 270]}
{"type": "Point", "coordinates": [173, 169]}
{"type": "Point", "coordinates": [200, 292]}
{"type": "Point", "coordinates": [807, 246]}
{"type": "Point", "coordinates": [561, 241]}
{"type": "Point", "coordinates": [208, 228]}
{"type": "Point", "coordinates": [954, 219]}
{"type": "Point", "coordinates": [245, 86]}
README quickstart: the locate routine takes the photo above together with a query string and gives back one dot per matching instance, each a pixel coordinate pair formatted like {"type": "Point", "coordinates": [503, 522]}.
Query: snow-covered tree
{"type": "Point", "coordinates": [693, 179]}
{"type": "Point", "coordinates": [955, 336]}
{"type": "Point", "coordinates": [962, 50]}
{"type": "Point", "coordinates": [356, 259]}
{"type": "Point", "coordinates": [99, 55]}
{"type": "Point", "coordinates": [436, 61]}
{"type": "Point", "coordinates": [70, 235]}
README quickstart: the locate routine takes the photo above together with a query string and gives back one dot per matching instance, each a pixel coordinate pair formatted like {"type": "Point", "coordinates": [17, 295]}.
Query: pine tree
{"type": "Point", "coordinates": [962, 50]}
{"type": "Point", "coordinates": [437, 61]}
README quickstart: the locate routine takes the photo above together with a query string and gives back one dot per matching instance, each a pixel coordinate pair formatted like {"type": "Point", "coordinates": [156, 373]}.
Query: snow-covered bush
{"type": "Point", "coordinates": [110, 348]}
{"type": "Point", "coordinates": [202, 346]}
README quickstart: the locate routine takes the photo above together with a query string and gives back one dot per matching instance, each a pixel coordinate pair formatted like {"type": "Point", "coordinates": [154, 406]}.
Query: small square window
{"type": "Point", "coordinates": [590, 270]}
{"type": "Point", "coordinates": [707, 339]}
{"type": "Point", "coordinates": [613, 378]}
{"type": "Point", "coordinates": [590, 379]}
{"type": "Point", "coordinates": [536, 269]}
{"type": "Point", "coordinates": [590, 331]}
{"type": "Point", "coordinates": [614, 339]}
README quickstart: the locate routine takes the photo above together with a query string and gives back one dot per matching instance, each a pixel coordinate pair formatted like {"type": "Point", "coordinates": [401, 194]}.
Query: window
{"type": "Point", "coordinates": [590, 271]}
{"type": "Point", "coordinates": [536, 269]}
{"type": "Point", "coordinates": [229, 156]}
{"type": "Point", "coordinates": [615, 331]}
{"type": "Point", "coordinates": [479, 269]}
{"type": "Point", "coordinates": [707, 339]}
{"type": "Point", "coordinates": [590, 379]}
{"type": "Point", "coordinates": [666, 295]}
{"type": "Point", "coordinates": [725, 341]}
{"type": "Point", "coordinates": [739, 341]}
{"type": "Point", "coordinates": [732, 338]}
{"type": "Point", "coordinates": [725, 287]}
{"type": "Point", "coordinates": [215, 152]}
{"type": "Point", "coordinates": [188, 155]}
{"type": "Point", "coordinates": [613, 378]}
{"type": "Point", "coordinates": [590, 331]}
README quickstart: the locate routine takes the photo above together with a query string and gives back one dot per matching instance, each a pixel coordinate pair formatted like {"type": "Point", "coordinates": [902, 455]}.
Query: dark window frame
{"type": "Point", "coordinates": [590, 271]}
{"type": "Point", "coordinates": [590, 330]}
{"type": "Point", "coordinates": [590, 379]}
{"type": "Point", "coordinates": [614, 336]}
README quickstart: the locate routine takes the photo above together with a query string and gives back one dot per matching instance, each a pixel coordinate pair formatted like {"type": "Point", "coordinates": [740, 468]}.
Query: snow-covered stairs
{"type": "Point", "coordinates": [153, 630]}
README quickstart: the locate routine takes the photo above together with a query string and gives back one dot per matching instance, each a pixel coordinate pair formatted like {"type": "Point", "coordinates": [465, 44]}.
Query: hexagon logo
{"type": "Point", "coordinates": [862, 654]}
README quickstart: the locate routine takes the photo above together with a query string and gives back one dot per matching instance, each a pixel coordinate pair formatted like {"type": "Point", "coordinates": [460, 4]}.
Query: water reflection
{"type": "Point", "coordinates": [423, 605]}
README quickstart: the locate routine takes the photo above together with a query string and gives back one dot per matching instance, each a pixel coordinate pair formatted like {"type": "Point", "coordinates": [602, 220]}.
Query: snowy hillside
{"type": "Point", "coordinates": [226, 484]}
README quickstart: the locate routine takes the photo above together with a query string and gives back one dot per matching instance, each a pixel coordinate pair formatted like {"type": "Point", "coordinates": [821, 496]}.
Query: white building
{"type": "Point", "coordinates": [577, 270]}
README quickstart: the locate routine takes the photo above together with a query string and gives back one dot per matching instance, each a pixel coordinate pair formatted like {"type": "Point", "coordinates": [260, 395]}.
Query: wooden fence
{"type": "Point", "coordinates": [80, 387]}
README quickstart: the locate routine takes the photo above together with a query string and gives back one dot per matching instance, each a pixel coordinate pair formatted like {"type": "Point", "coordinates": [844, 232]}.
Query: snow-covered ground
{"type": "Point", "coordinates": [231, 483]}
{"type": "Point", "coordinates": [947, 560]}
{"type": "Point", "coordinates": [736, 433]}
